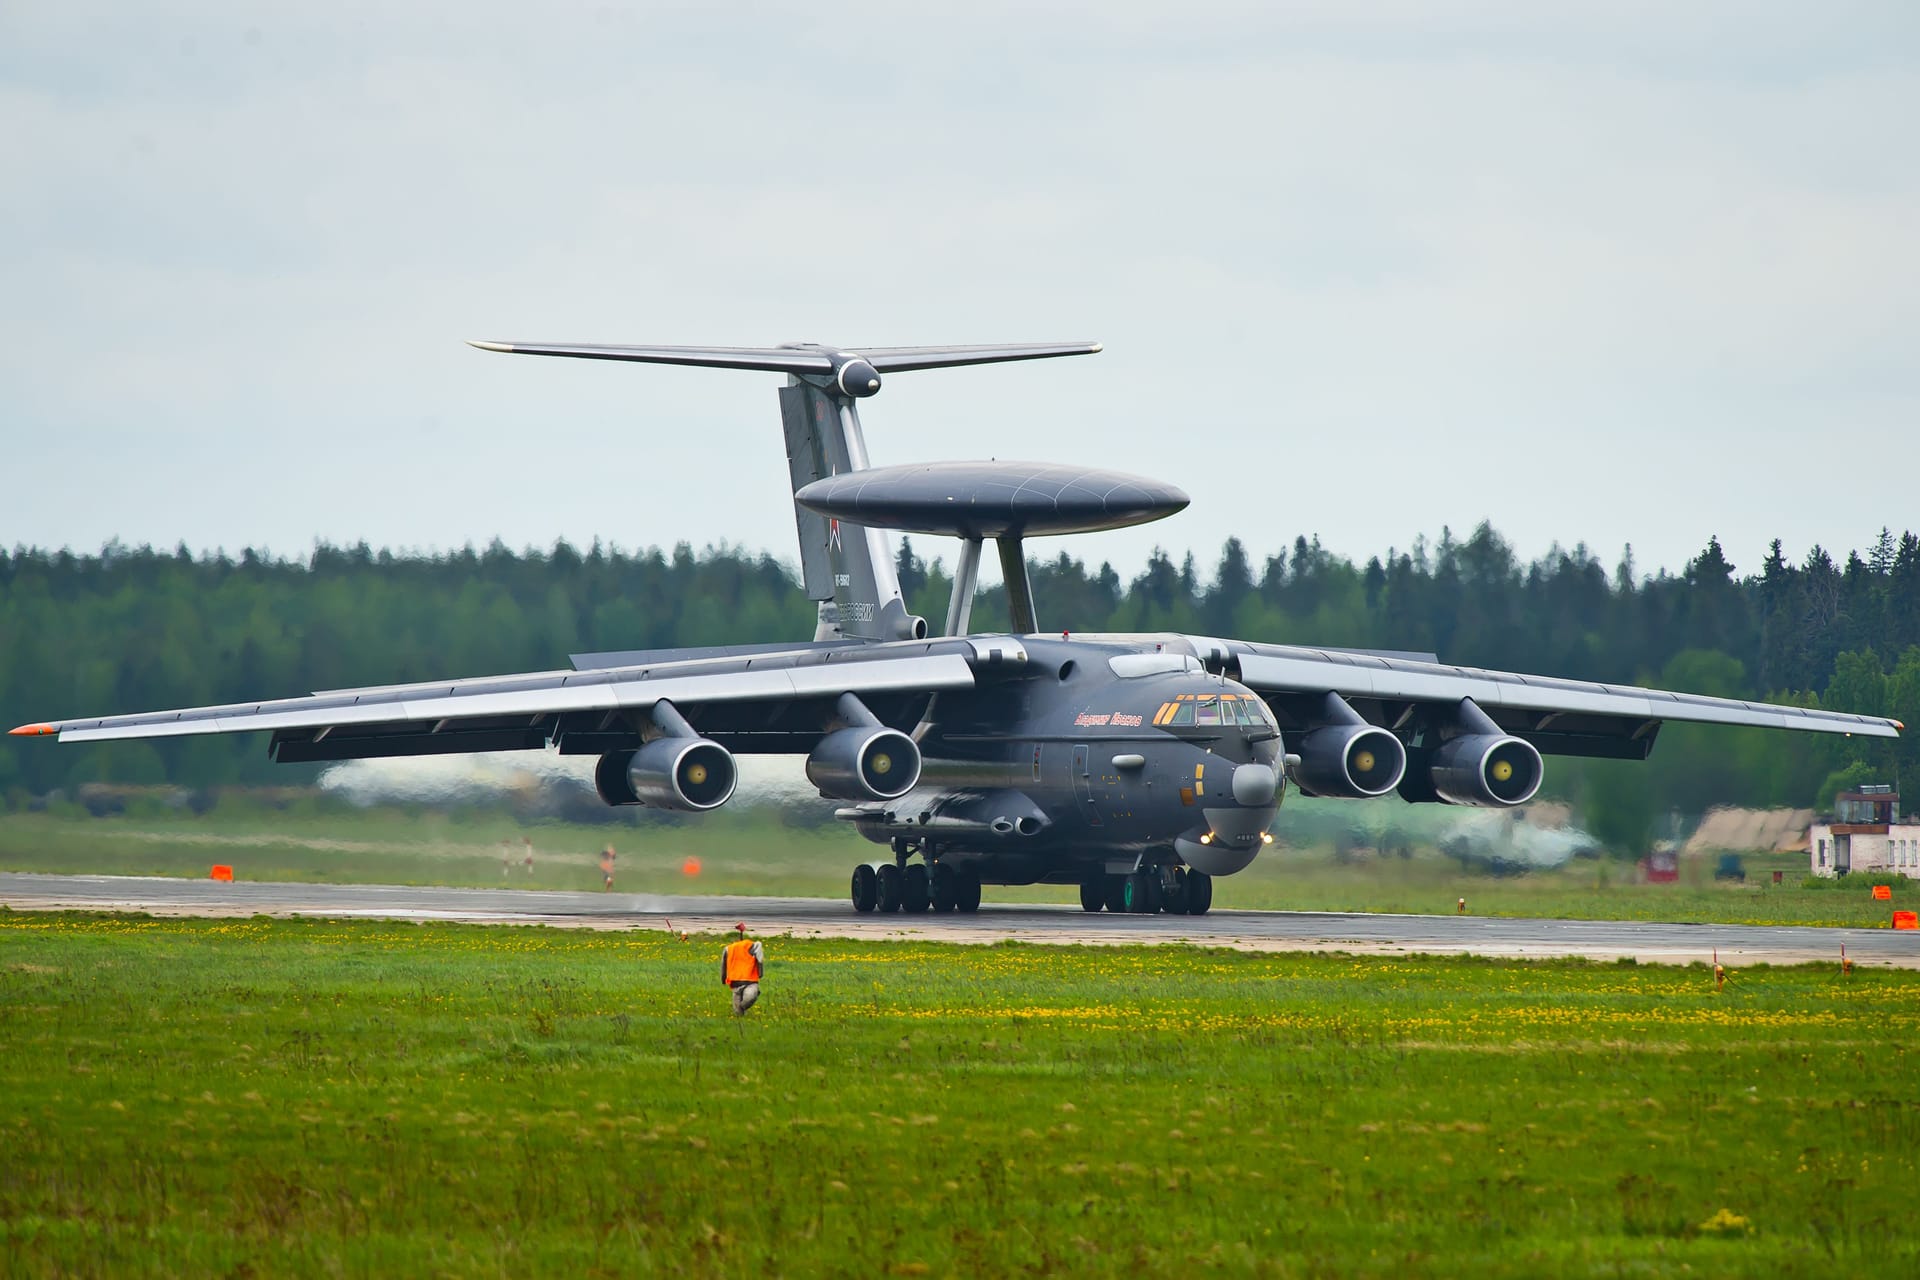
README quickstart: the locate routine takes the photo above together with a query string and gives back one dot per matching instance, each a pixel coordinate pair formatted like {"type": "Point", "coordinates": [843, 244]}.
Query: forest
{"type": "Point", "coordinates": [131, 629]}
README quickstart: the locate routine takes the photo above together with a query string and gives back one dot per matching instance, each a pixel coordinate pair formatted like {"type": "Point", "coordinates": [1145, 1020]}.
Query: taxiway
{"type": "Point", "coordinates": [818, 917]}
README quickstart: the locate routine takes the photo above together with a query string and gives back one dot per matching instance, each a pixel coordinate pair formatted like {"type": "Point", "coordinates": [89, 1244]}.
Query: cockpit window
{"type": "Point", "coordinates": [1214, 710]}
{"type": "Point", "coordinates": [1131, 666]}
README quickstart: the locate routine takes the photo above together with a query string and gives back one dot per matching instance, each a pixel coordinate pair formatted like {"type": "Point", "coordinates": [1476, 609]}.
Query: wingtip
{"type": "Point", "coordinates": [490, 346]}
{"type": "Point", "coordinates": [31, 731]}
{"type": "Point", "coordinates": [1096, 348]}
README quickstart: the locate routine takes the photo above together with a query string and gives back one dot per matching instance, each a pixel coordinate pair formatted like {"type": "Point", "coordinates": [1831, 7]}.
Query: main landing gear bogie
{"type": "Point", "coordinates": [913, 887]}
{"type": "Point", "coordinates": [1175, 890]}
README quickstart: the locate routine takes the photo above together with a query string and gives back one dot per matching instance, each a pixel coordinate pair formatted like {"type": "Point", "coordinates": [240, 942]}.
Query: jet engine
{"type": "Point", "coordinates": [1348, 761]}
{"type": "Point", "coordinates": [1487, 771]}
{"type": "Point", "coordinates": [689, 775]}
{"type": "Point", "coordinates": [865, 762]}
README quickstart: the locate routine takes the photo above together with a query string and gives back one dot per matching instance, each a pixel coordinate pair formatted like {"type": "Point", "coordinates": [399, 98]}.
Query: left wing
{"type": "Point", "coordinates": [777, 701]}
{"type": "Point", "coordinates": [1559, 717]}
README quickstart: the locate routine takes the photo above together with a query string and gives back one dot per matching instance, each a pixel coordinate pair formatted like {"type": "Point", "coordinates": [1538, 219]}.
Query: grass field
{"type": "Point", "coordinates": [751, 852]}
{"type": "Point", "coordinates": [273, 1097]}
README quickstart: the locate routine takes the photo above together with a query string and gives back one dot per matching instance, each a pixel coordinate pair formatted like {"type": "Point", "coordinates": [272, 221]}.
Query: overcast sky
{"type": "Point", "coordinates": [1617, 272]}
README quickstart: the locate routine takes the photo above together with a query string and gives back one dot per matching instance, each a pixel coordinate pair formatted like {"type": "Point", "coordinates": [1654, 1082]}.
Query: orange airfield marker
{"type": "Point", "coordinates": [1883, 893]}
{"type": "Point", "coordinates": [223, 872]}
{"type": "Point", "coordinates": [1906, 920]}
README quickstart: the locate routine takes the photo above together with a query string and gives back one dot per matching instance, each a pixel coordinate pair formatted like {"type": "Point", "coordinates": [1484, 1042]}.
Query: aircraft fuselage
{"type": "Point", "coordinates": [1101, 759]}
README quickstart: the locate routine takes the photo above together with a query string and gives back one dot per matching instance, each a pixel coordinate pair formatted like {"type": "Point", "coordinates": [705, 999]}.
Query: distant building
{"type": "Point", "coordinates": [1865, 834]}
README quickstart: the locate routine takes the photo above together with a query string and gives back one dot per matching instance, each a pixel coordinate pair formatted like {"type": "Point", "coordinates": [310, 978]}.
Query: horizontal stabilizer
{"type": "Point", "coordinates": [901, 359]}
{"type": "Point", "coordinates": [801, 358]}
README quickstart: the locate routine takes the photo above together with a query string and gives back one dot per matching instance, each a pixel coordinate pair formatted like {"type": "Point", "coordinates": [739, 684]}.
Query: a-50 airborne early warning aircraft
{"type": "Point", "coordinates": [1136, 766]}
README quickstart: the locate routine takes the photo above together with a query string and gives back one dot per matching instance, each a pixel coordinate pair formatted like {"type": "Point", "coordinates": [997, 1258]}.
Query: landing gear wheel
{"type": "Point", "coordinates": [941, 886]}
{"type": "Point", "coordinates": [1199, 892]}
{"type": "Point", "coordinates": [1140, 895]}
{"type": "Point", "coordinates": [887, 884]}
{"type": "Point", "coordinates": [915, 891]}
{"type": "Point", "coordinates": [1093, 893]}
{"type": "Point", "coordinates": [966, 892]}
{"type": "Point", "coordinates": [1116, 890]}
{"type": "Point", "coordinates": [866, 889]}
{"type": "Point", "coordinates": [1173, 892]}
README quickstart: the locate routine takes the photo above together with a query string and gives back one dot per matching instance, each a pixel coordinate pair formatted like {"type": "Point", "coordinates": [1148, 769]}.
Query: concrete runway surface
{"type": "Point", "coordinates": [834, 918]}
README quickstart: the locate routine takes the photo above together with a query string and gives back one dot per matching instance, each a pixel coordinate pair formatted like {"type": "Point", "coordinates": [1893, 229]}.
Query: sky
{"type": "Point", "coordinates": [1606, 273]}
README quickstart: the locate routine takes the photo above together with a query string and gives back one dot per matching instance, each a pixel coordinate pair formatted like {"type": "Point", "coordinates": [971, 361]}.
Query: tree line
{"type": "Point", "coordinates": [135, 628]}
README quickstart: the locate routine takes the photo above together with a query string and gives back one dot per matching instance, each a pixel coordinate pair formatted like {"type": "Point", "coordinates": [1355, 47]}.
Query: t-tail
{"type": "Point", "coordinates": [847, 569]}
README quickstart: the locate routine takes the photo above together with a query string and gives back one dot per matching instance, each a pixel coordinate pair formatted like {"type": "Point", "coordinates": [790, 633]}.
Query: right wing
{"type": "Point", "coordinates": [769, 702]}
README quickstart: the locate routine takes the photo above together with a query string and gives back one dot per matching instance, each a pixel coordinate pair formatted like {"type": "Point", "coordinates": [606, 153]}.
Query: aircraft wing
{"type": "Point", "coordinates": [764, 701]}
{"type": "Point", "coordinates": [1559, 717]}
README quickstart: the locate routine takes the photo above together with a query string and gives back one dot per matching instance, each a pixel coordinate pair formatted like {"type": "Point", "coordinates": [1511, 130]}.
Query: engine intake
{"type": "Point", "coordinates": [865, 762]}
{"type": "Point", "coordinates": [1487, 771]}
{"type": "Point", "coordinates": [1348, 762]}
{"type": "Point", "coordinates": [688, 775]}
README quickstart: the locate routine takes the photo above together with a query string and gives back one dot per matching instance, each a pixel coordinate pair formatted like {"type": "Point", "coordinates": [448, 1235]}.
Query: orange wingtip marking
{"type": "Point", "coordinates": [31, 731]}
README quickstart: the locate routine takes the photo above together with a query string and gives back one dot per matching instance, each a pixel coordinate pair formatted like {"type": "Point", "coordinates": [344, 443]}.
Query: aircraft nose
{"type": "Point", "coordinates": [1255, 784]}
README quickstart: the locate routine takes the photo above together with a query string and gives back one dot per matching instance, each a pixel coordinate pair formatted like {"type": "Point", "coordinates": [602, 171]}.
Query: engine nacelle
{"type": "Point", "coordinates": [1487, 771]}
{"type": "Point", "coordinates": [1348, 762]}
{"type": "Point", "coordinates": [689, 775]}
{"type": "Point", "coordinates": [865, 762]}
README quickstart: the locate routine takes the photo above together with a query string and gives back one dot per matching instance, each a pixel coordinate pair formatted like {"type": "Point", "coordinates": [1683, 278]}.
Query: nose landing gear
{"type": "Point", "coordinates": [1174, 890]}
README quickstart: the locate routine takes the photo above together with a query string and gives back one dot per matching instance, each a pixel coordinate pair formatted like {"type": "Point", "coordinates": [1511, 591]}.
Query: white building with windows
{"type": "Point", "coordinates": [1865, 834]}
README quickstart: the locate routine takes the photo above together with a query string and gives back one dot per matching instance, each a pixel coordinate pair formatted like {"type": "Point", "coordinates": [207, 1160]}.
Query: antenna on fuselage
{"type": "Point", "coordinates": [844, 506]}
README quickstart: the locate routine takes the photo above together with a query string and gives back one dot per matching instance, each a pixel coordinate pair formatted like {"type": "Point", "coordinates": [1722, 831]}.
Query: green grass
{"type": "Point", "coordinates": [276, 1097]}
{"type": "Point", "coordinates": [752, 852]}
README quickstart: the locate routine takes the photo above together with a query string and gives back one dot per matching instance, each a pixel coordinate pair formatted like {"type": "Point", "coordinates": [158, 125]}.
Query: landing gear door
{"type": "Point", "coordinates": [1083, 784]}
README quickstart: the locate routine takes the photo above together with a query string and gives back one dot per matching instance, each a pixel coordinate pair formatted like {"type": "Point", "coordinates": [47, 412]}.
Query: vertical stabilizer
{"type": "Point", "coordinates": [846, 567]}
{"type": "Point", "coordinates": [849, 570]}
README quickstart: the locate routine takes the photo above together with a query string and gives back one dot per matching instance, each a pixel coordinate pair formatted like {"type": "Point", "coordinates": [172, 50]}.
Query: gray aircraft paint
{"type": "Point", "coordinates": [1042, 757]}
{"type": "Point", "coordinates": [850, 564]}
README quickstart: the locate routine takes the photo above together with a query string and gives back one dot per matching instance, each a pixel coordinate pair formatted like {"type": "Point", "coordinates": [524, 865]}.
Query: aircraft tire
{"type": "Point", "coordinates": [866, 889]}
{"type": "Point", "coordinates": [887, 887]}
{"type": "Point", "coordinates": [915, 889]}
{"type": "Point", "coordinates": [1093, 893]}
{"type": "Point", "coordinates": [1139, 894]}
{"type": "Point", "coordinates": [1199, 892]}
{"type": "Point", "coordinates": [1116, 890]}
{"type": "Point", "coordinates": [1174, 901]}
{"type": "Point", "coordinates": [966, 895]}
{"type": "Point", "coordinates": [942, 884]}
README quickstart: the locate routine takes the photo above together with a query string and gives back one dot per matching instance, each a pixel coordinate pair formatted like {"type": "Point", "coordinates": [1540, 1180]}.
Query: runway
{"type": "Point", "coordinates": [833, 918]}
